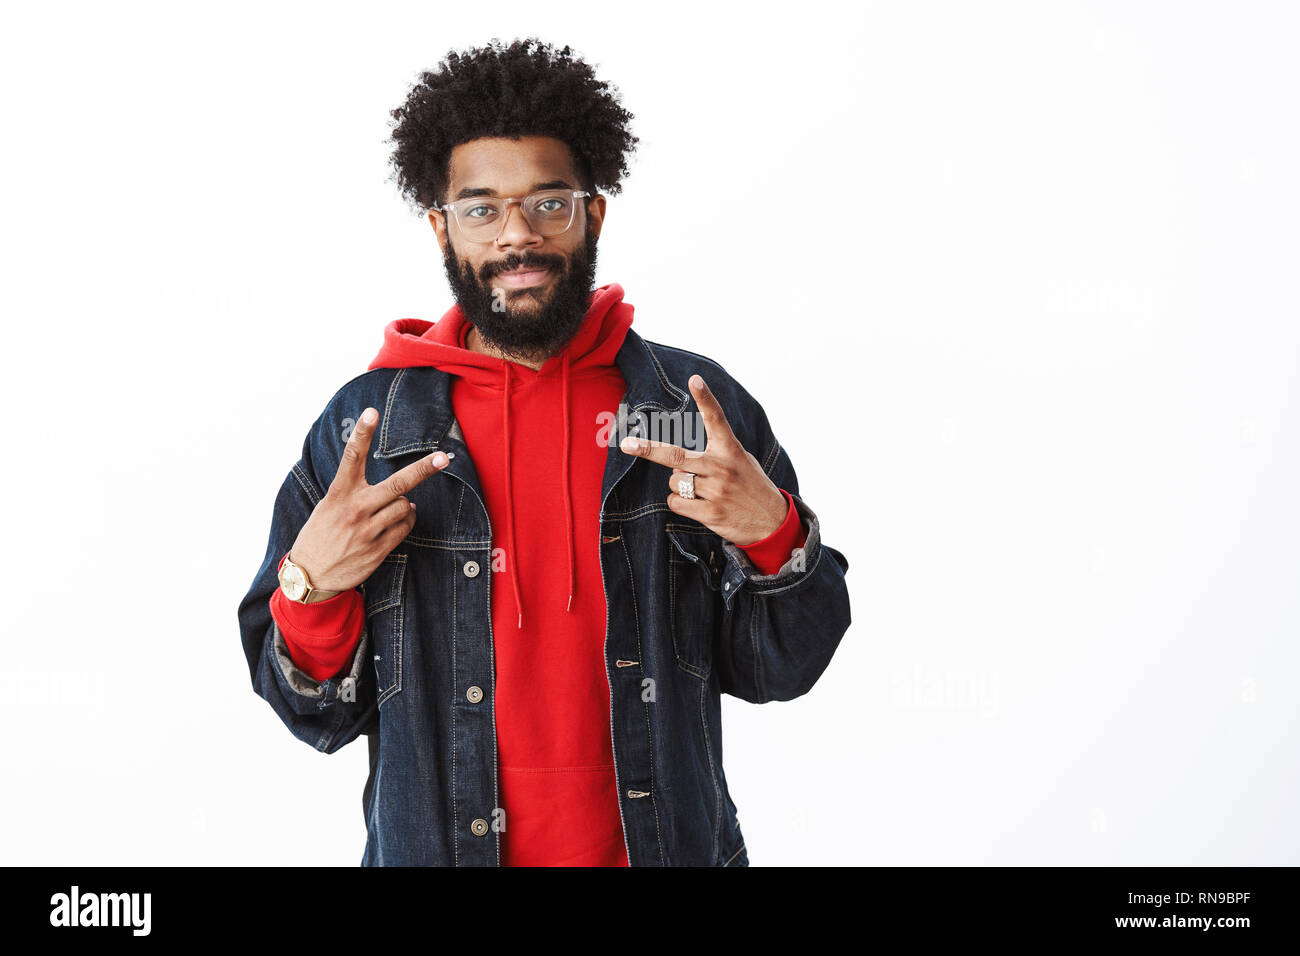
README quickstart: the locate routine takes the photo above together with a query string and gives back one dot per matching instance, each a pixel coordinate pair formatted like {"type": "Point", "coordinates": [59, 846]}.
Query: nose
{"type": "Point", "coordinates": [516, 231]}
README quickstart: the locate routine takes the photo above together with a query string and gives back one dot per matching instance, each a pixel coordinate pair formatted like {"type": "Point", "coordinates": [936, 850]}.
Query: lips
{"type": "Point", "coordinates": [523, 278]}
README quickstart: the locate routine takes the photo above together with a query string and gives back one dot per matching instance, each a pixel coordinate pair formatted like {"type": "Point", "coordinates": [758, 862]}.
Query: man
{"type": "Point", "coordinates": [531, 620]}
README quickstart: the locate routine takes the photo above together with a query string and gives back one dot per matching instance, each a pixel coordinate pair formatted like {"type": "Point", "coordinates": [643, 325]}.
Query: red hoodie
{"type": "Point", "coordinates": [540, 467]}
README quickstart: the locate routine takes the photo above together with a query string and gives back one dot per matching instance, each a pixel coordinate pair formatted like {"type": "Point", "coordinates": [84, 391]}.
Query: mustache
{"type": "Point", "coordinates": [532, 260]}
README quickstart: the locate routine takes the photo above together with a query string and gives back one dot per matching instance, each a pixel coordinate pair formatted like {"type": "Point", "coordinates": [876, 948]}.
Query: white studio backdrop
{"type": "Point", "coordinates": [1035, 358]}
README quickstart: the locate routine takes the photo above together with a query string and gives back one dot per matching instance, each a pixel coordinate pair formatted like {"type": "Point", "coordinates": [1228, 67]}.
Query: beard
{"type": "Point", "coordinates": [529, 323]}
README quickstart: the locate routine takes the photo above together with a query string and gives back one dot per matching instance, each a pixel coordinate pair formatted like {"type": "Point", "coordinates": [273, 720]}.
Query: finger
{"type": "Point", "coordinates": [352, 467]}
{"type": "Point", "coordinates": [397, 510]}
{"type": "Point", "coordinates": [701, 485]}
{"type": "Point", "coordinates": [716, 426]}
{"type": "Point", "coordinates": [665, 453]}
{"type": "Point", "coordinates": [693, 508]}
{"type": "Point", "coordinates": [400, 482]}
{"type": "Point", "coordinates": [396, 533]}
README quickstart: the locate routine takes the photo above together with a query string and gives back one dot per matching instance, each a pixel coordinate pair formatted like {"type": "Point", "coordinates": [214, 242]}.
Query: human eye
{"type": "Point", "coordinates": [481, 210]}
{"type": "Point", "coordinates": [550, 204]}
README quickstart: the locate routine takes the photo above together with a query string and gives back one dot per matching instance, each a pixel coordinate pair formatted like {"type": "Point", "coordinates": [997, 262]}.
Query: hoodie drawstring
{"type": "Point", "coordinates": [568, 498]}
{"type": "Point", "coordinates": [510, 510]}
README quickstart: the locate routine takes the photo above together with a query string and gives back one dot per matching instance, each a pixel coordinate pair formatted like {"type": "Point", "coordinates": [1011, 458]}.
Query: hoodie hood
{"type": "Point", "coordinates": [418, 342]}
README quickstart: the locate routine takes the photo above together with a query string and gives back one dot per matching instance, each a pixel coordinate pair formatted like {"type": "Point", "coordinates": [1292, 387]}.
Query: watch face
{"type": "Point", "coordinates": [293, 581]}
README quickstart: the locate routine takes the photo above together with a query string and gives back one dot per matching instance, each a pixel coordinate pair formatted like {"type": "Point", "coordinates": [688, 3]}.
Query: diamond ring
{"type": "Point", "coordinates": [686, 485]}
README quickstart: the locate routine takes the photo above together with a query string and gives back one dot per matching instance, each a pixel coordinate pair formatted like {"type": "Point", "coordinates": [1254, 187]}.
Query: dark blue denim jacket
{"type": "Point", "coordinates": [684, 608]}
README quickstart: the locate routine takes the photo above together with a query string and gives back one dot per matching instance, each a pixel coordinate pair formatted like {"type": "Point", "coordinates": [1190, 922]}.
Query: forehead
{"type": "Point", "coordinates": [510, 166]}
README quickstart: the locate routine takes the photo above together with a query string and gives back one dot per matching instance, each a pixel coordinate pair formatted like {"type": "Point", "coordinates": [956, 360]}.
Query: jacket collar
{"type": "Point", "coordinates": [417, 416]}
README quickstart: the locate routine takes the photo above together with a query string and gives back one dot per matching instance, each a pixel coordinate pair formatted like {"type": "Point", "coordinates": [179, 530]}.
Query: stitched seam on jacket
{"type": "Point", "coordinates": [455, 617]}
{"type": "Point", "coordinates": [713, 776]}
{"type": "Point", "coordinates": [307, 485]}
{"type": "Point", "coordinates": [758, 660]}
{"type": "Point", "coordinates": [326, 739]}
{"type": "Point", "coordinates": [636, 619]}
{"type": "Point", "coordinates": [388, 406]}
{"type": "Point", "coordinates": [663, 377]}
{"type": "Point", "coordinates": [447, 544]}
{"type": "Point", "coordinates": [674, 562]}
{"type": "Point", "coordinates": [639, 512]}
{"type": "Point", "coordinates": [772, 457]}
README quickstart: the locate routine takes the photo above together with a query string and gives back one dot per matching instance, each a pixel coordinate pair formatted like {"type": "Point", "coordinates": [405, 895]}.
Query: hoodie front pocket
{"type": "Point", "coordinates": [384, 614]}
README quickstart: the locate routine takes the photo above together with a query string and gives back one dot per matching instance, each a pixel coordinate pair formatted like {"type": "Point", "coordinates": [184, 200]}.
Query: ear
{"type": "Point", "coordinates": [439, 223]}
{"type": "Point", "coordinates": [596, 214]}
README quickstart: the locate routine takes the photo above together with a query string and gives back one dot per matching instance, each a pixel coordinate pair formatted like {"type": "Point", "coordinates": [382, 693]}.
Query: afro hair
{"type": "Point", "coordinates": [525, 89]}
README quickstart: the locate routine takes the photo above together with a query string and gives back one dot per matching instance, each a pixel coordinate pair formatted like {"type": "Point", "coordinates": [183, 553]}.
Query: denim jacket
{"type": "Point", "coordinates": [684, 607]}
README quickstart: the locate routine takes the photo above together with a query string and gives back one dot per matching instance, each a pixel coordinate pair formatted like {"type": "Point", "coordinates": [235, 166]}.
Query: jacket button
{"type": "Point", "coordinates": [471, 569]}
{"type": "Point", "coordinates": [479, 827]}
{"type": "Point", "coordinates": [474, 694]}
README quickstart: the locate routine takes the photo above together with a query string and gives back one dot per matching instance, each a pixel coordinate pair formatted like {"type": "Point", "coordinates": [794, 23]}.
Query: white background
{"type": "Point", "coordinates": [1035, 358]}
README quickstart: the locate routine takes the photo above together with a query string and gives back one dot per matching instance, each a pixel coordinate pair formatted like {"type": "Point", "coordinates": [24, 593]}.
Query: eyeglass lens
{"type": "Point", "coordinates": [548, 213]}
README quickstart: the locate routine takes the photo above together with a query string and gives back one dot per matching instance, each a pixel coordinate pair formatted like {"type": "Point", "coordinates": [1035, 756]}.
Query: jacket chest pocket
{"type": "Point", "coordinates": [694, 583]}
{"type": "Point", "coordinates": [383, 597]}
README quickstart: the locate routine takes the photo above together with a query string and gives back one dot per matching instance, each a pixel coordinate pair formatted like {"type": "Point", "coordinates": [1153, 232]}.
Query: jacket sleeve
{"type": "Point", "coordinates": [324, 713]}
{"type": "Point", "coordinates": [779, 630]}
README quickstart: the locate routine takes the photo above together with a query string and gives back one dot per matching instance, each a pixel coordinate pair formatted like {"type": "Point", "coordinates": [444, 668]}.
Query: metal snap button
{"type": "Point", "coordinates": [471, 569]}
{"type": "Point", "coordinates": [474, 694]}
{"type": "Point", "coordinates": [479, 827]}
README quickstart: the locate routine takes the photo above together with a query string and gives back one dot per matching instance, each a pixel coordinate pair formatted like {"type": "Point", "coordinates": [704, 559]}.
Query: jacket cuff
{"type": "Point", "coordinates": [741, 572]}
{"type": "Point", "coordinates": [768, 554]}
{"type": "Point", "coordinates": [324, 693]}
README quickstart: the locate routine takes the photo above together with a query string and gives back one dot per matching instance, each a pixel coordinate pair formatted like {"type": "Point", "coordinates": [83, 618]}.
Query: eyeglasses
{"type": "Point", "coordinates": [549, 212]}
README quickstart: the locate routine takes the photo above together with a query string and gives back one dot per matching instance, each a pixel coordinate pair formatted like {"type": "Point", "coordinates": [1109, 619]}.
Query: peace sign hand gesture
{"type": "Point", "coordinates": [354, 527]}
{"type": "Point", "coordinates": [734, 498]}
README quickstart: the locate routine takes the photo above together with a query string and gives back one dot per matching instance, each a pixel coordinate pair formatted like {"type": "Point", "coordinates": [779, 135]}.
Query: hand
{"type": "Point", "coordinates": [734, 498]}
{"type": "Point", "coordinates": [355, 526]}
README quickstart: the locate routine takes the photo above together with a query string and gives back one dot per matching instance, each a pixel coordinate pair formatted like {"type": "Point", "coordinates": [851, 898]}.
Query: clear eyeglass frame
{"type": "Point", "coordinates": [549, 228]}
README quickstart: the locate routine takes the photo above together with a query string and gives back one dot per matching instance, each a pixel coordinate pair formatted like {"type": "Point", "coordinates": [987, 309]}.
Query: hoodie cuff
{"type": "Point", "coordinates": [770, 553]}
{"type": "Point", "coordinates": [323, 636]}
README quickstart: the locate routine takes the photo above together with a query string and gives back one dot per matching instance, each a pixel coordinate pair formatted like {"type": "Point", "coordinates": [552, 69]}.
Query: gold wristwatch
{"type": "Point", "coordinates": [296, 586]}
